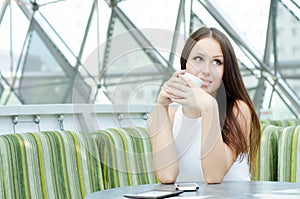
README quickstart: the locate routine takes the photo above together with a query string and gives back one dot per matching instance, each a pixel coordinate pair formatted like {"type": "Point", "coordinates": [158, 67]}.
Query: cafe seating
{"type": "Point", "coordinates": [126, 156]}
{"type": "Point", "coordinates": [288, 154]}
{"type": "Point", "coordinates": [277, 159]}
{"type": "Point", "coordinates": [49, 165]}
{"type": "Point", "coordinates": [68, 164]}
{"type": "Point", "coordinates": [65, 164]}
{"type": "Point", "coordinates": [282, 123]}
{"type": "Point", "coordinates": [267, 156]}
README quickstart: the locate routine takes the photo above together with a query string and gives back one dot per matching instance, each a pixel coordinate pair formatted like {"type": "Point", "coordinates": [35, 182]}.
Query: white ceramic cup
{"type": "Point", "coordinates": [195, 79]}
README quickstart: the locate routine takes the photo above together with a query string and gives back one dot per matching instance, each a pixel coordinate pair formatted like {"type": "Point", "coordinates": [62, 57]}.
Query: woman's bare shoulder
{"type": "Point", "coordinates": [243, 108]}
{"type": "Point", "coordinates": [243, 115]}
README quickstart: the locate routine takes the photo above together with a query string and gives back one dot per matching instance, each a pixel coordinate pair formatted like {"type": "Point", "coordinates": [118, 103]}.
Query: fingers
{"type": "Point", "coordinates": [176, 82]}
{"type": "Point", "coordinates": [175, 77]}
{"type": "Point", "coordinates": [167, 94]}
{"type": "Point", "coordinates": [177, 73]}
{"type": "Point", "coordinates": [188, 81]}
{"type": "Point", "coordinates": [167, 91]}
{"type": "Point", "coordinates": [177, 88]}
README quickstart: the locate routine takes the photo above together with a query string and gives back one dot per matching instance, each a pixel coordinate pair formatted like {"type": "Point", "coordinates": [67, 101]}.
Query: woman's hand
{"type": "Point", "coordinates": [167, 94]}
{"type": "Point", "coordinates": [184, 91]}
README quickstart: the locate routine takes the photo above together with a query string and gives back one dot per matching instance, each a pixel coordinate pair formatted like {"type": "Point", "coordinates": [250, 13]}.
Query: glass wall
{"type": "Point", "coordinates": [121, 52]}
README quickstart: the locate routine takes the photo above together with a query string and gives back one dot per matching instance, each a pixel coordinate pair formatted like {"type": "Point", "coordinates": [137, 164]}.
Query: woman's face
{"type": "Point", "coordinates": [206, 62]}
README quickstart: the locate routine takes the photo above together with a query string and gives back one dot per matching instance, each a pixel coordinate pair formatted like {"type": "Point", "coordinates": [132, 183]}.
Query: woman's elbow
{"type": "Point", "coordinates": [167, 179]}
{"type": "Point", "coordinates": [168, 175]}
{"type": "Point", "coordinates": [213, 179]}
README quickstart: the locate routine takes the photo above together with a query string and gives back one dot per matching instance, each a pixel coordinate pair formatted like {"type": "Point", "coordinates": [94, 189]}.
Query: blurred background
{"type": "Point", "coordinates": [121, 51]}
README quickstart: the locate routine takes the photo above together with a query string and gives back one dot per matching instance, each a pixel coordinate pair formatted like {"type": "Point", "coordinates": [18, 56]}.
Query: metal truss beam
{"type": "Point", "coordinates": [145, 43]}
{"type": "Point", "coordinates": [3, 9]}
{"type": "Point", "coordinates": [70, 71]}
{"type": "Point", "coordinates": [180, 18]}
{"type": "Point", "coordinates": [264, 67]}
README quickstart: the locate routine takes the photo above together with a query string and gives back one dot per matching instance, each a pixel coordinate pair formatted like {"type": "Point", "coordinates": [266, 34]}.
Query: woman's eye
{"type": "Point", "coordinates": [217, 62]}
{"type": "Point", "coordinates": [198, 59]}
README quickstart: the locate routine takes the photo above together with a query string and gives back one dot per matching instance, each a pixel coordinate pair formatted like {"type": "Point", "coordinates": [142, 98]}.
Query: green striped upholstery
{"type": "Point", "coordinates": [49, 165]}
{"type": "Point", "coordinates": [126, 156]}
{"type": "Point", "coordinates": [278, 158]}
{"type": "Point", "coordinates": [288, 155]}
{"type": "Point", "coordinates": [267, 158]}
{"type": "Point", "coordinates": [1, 179]}
{"type": "Point", "coordinates": [295, 169]}
{"type": "Point", "coordinates": [282, 123]}
{"type": "Point", "coordinates": [284, 152]}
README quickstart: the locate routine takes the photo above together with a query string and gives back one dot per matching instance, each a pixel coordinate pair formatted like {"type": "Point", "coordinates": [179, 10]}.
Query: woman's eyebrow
{"type": "Point", "coordinates": [205, 55]}
{"type": "Point", "coordinates": [215, 56]}
{"type": "Point", "coordinates": [200, 53]}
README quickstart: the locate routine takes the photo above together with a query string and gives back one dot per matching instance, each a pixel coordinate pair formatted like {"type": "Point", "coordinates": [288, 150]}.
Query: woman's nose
{"type": "Point", "coordinates": [205, 68]}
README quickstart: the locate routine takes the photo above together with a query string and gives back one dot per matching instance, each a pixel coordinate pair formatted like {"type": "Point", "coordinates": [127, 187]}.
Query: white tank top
{"type": "Point", "coordinates": [187, 136]}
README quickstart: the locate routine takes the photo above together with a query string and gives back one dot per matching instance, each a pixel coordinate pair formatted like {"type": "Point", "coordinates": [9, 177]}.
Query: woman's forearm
{"type": "Point", "coordinates": [214, 153]}
{"type": "Point", "coordinates": [163, 146]}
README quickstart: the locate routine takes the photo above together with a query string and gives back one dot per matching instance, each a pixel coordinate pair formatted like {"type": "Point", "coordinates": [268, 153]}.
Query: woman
{"type": "Point", "coordinates": [212, 132]}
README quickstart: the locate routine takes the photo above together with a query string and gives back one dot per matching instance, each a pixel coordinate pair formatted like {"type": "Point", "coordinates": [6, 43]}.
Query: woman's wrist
{"type": "Point", "coordinates": [162, 103]}
{"type": "Point", "coordinates": [161, 107]}
{"type": "Point", "coordinates": [191, 112]}
{"type": "Point", "coordinates": [209, 106]}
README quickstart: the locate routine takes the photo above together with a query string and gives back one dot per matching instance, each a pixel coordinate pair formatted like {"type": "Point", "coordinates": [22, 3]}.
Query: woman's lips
{"type": "Point", "coordinates": [206, 83]}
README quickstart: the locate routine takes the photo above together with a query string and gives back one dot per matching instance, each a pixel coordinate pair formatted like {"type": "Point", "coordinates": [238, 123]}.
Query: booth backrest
{"type": "Point", "coordinates": [282, 123]}
{"type": "Point", "coordinates": [278, 158]}
{"type": "Point", "coordinates": [267, 156]}
{"type": "Point", "coordinates": [49, 165]}
{"type": "Point", "coordinates": [65, 164]}
{"type": "Point", "coordinates": [289, 154]}
{"type": "Point", "coordinates": [126, 156]}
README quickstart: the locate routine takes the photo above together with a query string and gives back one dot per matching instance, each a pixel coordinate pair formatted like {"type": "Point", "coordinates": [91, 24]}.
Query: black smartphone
{"type": "Point", "coordinates": [154, 194]}
{"type": "Point", "coordinates": [186, 186]}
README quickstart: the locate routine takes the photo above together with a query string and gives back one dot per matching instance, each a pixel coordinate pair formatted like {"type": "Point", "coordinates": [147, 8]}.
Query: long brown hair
{"type": "Point", "coordinates": [234, 90]}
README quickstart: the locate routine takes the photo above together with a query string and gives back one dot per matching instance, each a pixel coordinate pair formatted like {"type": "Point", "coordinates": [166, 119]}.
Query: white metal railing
{"type": "Point", "coordinates": [77, 117]}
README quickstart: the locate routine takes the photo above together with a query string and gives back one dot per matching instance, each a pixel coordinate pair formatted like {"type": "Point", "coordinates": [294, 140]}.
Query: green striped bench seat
{"type": "Point", "coordinates": [267, 156]}
{"type": "Point", "coordinates": [49, 165]}
{"type": "Point", "coordinates": [126, 156]}
{"type": "Point", "coordinates": [65, 164]}
{"type": "Point", "coordinates": [278, 158]}
{"type": "Point", "coordinates": [282, 123]}
{"type": "Point", "coordinates": [289, 154]}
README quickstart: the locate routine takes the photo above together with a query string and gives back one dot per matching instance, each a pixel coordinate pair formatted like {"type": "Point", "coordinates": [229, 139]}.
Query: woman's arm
{"type": "Point", "coordinates": [163, 147]}
{"type": "Point", "coordinates": [216, 156]}
{"type": "Point", "coordinates": [160, 130]}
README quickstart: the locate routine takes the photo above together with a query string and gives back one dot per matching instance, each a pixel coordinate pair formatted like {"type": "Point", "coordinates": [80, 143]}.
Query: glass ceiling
{"type": "Point", "coordinates": [121, 51]}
